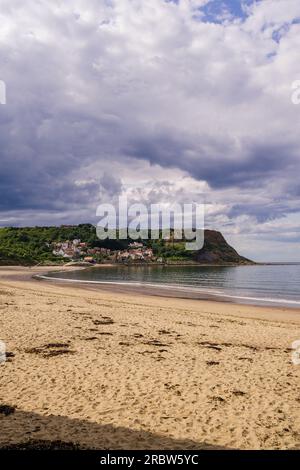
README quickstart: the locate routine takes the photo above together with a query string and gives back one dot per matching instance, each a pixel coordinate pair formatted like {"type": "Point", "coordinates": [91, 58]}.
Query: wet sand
{"type": "Point", "coordinates": [105, 369]}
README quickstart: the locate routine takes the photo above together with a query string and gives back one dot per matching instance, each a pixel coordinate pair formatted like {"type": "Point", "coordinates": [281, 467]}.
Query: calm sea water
{"type": "Point", "coordinates": [265, 285]}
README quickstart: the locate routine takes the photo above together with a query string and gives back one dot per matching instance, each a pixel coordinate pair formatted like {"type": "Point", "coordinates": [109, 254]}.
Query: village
{"type": "Point", "coordinates": [76, 250]}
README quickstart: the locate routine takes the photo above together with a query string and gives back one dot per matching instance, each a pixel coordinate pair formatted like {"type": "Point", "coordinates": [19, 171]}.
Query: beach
{"type": "Point", "coordinates": [101, 368]}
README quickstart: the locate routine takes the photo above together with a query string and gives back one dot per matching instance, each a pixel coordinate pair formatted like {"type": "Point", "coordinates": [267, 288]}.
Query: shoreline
{"type": "Point", "coordinates": [31, 276]}
{"type": "Point", "coordinates": [166, 290]}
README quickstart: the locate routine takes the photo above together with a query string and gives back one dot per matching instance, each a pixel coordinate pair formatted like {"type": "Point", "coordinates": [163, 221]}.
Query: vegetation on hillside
{"type": "Point", "coordinates": [32, 245]}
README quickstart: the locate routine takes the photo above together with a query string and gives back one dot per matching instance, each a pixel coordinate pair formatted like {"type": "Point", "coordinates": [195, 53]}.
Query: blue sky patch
{"type": "Point", "coordinates": [283, 30]}
{"type": "Point", "coordinates": [217, 10]}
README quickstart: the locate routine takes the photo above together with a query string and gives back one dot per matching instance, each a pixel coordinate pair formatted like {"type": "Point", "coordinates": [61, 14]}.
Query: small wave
{"type": "Point", "coordinates": [177, 287]}
{"type": "Point", "coordinates": [124, 283]}
{"type": "Point", "coordinates": [261, 299]}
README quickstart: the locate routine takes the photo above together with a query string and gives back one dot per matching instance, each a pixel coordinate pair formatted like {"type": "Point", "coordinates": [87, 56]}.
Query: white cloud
{"type": "Point", "coordinates": [144, 88]}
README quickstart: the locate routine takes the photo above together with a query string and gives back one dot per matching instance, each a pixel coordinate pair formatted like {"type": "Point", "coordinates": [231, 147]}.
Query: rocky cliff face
{"type": "Point", "coordinates": [217, 251]}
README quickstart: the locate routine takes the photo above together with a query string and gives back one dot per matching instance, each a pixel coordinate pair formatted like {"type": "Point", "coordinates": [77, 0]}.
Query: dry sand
{"type": "Point", "coordinates": [111, 370]}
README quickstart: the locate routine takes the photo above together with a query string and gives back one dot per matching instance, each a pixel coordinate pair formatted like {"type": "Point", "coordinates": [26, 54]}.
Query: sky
{"type": "Point", "coordinates": [158, 100]}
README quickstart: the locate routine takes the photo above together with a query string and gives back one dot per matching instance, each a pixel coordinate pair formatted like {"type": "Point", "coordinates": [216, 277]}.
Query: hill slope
{"type": "Point", "coordinates": [217, 251]}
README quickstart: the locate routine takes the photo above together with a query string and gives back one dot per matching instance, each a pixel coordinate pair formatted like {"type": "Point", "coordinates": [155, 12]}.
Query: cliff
{"type": "Point", "coordinates": [217, 251]}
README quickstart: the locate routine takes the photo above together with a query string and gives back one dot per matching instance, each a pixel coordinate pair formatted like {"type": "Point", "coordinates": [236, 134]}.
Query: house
{"type": "Point", "coordinates": [105, 251]}
{"type": "Point", "coordinates": [68, 253]}
{"type": "Point", "coordinates": [136, 245]}
{"type": "Point", "coordinates": [123, 255]}
{"type": "Point", "coordinates": [148, 253]}
{"type": "Point", "coordinates": [58, 252]}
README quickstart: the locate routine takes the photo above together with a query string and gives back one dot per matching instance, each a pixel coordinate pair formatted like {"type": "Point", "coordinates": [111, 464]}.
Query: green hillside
{"type": "Point", "coordinates": [32, 245]}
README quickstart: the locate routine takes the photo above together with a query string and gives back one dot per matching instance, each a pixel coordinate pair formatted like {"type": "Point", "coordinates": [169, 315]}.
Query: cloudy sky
{"type": "Point", "coordinates": [171, 98]}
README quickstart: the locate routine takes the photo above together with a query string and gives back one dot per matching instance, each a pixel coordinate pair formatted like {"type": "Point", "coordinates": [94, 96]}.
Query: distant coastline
{"type": "Point", "coordinates": [28, 246]}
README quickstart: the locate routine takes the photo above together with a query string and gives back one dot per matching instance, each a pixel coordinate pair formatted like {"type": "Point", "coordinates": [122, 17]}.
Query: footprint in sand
{"type": "Point", "coordinates": [7, 410]}
{"type": "Point", "coordinates": [51, 350]}
{"type": "Point", "coordinates": [104, 321]}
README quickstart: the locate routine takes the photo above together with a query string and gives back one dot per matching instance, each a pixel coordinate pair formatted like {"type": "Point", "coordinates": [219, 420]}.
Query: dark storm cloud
{"type": "Point", "coordinates": [216, 162]}
{"type": "Point", "coordinates": [95, 86]}
{"type": "Point", "coordinates": [261, 213]}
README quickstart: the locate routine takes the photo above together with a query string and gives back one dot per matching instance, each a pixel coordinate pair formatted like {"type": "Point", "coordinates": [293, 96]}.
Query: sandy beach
{"type": "Point", "coordinates": [104, 369]}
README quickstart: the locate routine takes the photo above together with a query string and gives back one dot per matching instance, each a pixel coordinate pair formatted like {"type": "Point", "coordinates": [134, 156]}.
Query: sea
{"type": "Point", "coordinates": [269, 285]}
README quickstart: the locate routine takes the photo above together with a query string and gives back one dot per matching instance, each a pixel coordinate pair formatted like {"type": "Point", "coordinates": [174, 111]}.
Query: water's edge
{"type": "Point", "coordinates": [173, 289]}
